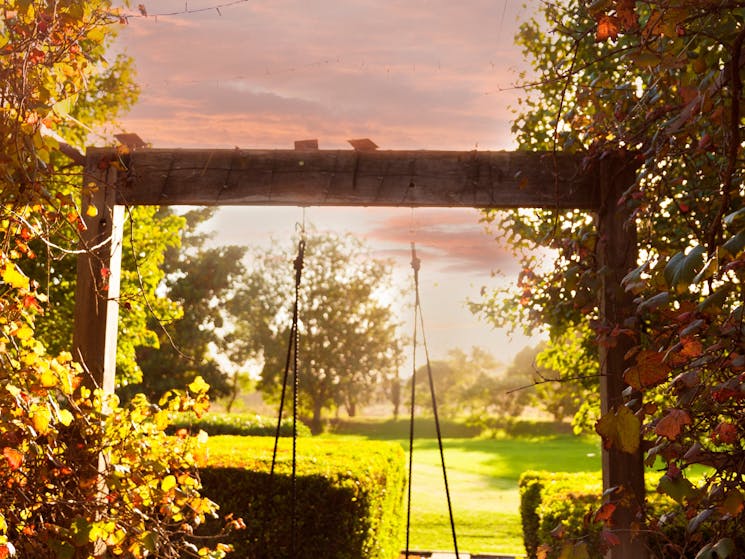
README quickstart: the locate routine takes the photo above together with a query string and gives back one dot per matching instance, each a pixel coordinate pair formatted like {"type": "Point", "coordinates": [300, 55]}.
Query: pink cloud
{"type": "Point", "coordinates": [452, 239]}
{"type": "Point", "coordinates": [410, 74]}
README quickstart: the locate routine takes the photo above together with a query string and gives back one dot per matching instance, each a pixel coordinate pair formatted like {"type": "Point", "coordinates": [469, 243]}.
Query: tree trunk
{"type": "Point", "coordinates": [316, 422]}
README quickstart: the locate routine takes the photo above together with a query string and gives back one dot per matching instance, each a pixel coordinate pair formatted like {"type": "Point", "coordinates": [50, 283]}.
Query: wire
{"type": "Point", "coordinates": [419, 321]}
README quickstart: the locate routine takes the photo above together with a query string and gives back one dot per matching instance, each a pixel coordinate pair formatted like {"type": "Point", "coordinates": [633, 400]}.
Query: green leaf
{"type": "Point", "coordinates": [724, 548]}
{"type": "Point", "coordinates": [734, 245]}
{"type": "Point", "coordinates": [735, 218]}
{"type": "Point", "coordinates": [81, 530]}
{"type": "Point", "coordinates": [676, 488]}
{"type": "Point", "coordinates": [620, 429]}
{"type": "Point", "coordinates": [682, 268]}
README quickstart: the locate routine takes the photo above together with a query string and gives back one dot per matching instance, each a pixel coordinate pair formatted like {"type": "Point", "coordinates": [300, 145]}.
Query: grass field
{"type": "Point", "coordinates": [482, 476]}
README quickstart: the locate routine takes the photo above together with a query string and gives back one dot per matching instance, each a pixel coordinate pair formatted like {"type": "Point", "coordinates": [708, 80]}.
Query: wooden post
{"type": "Point", "coordinates": [617, 253]}
{"type": "Point", "coordinates": [97, 290]}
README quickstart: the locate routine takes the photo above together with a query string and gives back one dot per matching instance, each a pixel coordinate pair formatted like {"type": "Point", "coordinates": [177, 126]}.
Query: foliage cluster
{"type": "Point", "coordinates": [243, 424]}
{"type": "Point", "coordinates": [657, 84]}
{"type": "Point", "coordinates": [79, 472]}
{"type": "Point", "coordinates": [349, 496]}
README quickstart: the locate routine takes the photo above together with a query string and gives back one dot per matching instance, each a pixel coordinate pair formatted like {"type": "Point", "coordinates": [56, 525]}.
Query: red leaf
{"type": "Point", "coordinates": [605, 512]}
{"type": "Point", "coordinates": [610, 539]}
{"type": "Point", "coordinates": [14, 458]}
{"type": "Point", "coordinates": [649, 370]}
{"type": "Point", "coordinates": [670, 425]}
{"type": "Point", "coordinates": [724, 433]}
{"type": "Point", "coordinates": [607, 28]}
{"type": "Point", "coordinates": [627, 16]}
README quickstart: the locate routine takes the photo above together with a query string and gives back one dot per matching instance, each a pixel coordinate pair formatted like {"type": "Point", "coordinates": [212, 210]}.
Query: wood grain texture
{"type": "Point", "coordinates": [351, 178]}
{"type": "Point", "coordinates": [96, 293]}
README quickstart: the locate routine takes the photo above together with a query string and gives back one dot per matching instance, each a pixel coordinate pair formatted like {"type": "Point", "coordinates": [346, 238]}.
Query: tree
{"type": "Point", "coordinates": [347, 330]}
{"type": "Point", "coordinates": [657, 85]}
{"type": "Point", "coordinates": [460, 381]}
{"type": "Point", "coordinates": [200, 280]}
{"type": "Point", "coordinates": [64, 446]}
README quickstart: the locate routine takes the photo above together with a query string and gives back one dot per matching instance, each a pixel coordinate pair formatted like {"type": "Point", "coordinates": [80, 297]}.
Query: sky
{"type": "Point", "coordinates": [408, 74]}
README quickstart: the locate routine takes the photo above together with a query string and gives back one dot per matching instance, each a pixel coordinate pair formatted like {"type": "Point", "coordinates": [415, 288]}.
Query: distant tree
{"type": "Point", "coordinates": [463, 382]}
{"type": "Point", "coordinates": [348, 335]}
{"type": "Point", "coordinates": [200, 280]}
{"type": "Point", "coordinates": [501, 394]}
{"type": "Point", "coordinates": [568, 378]}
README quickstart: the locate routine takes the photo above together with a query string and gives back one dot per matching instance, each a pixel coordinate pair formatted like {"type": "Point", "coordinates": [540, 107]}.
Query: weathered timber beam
{"type": "Point", "coordinates": [352, 178]}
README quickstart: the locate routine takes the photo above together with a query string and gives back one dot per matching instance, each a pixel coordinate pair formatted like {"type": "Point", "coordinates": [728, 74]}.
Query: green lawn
{"type": "Point", "coordinates": [482, 476]}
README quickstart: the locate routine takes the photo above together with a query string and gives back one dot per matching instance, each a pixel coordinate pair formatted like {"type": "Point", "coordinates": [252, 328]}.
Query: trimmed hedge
{"type": "Point", "coordinates": [349, 497]}
{"type": "Point", "coordinates": [246, 424]}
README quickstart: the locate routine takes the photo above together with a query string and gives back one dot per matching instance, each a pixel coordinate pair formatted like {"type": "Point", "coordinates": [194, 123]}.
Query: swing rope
{"type": "Point", "coordinates": [292, 358]}
{"type": "Point", "coordinates": [419, 321]}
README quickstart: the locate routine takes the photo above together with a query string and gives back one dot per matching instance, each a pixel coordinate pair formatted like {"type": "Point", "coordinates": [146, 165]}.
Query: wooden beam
{"type": "Point", "coordinates": [97, 289]}
{"type": "Point", "coordinates": [352, 178]}
{"type": "Point", "coordinates": [617, 255]}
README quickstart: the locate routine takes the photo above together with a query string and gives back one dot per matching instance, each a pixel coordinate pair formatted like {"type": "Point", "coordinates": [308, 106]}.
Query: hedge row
{"type": "Point", "coordinates": [348, 504]}
{"type": "Point", "coordinates": [246, 424]}
{"type": "Point", "coordinates": [559, 507]}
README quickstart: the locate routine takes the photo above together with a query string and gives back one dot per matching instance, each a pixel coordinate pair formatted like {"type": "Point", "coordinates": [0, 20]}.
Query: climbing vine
{"type": "Point", "coordinates": [79, 473]}
{"type": "Point", "coordinates": [661, 81]}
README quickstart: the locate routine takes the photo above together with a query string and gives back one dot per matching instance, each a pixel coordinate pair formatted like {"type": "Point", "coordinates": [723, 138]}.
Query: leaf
{"type": "Point", "coordinates": [65, 417]}
{"type": "Point", "coordinates": [677, 488]}
{"type": "Point", "coordinates": [724, 548]}
{"type": "Point", "coordinates": [620, 429]}
{"type": "Point", "coordinates": [670, 426]}
{"type": "Point", "coordinates": [14, 458]}
{"type": "Point", "coordinates": [683, 268]}
{"type": "Point", "coordinates": [733, 246]}
{"type": "Point", "coordinates": [733, 503]}
{"type": "Point", "coordinates": [610, 538]}
{"type": "Point", "coordinates": [649, 370]}
{"type": "Point", "coordinates": [48, 379]}
{"type": "Point", "coordinates": [41, 418]}
{"type": "Point", "coordinates": [199, 386]}
{"type": "Point", "coordinates": [697, 520]}
{"type": "Point", "coordinates": [608, 28]}
{"type": "Point", "coordinates": [168, 483]}
{"type": "Point", "coordinates": [605, 512]}
{"type": "Point", "coordinates": [14, 277]}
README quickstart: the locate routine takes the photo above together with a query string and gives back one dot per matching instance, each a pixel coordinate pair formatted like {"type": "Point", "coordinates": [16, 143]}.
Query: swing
{"type": "Point", "coordinates": [292, 361]}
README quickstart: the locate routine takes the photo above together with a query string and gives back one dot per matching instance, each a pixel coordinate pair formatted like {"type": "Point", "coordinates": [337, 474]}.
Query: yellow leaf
{"type": "Point", "coordinates": [168, 483]}
{"type": "Point", "coordinates": [620, 429]}
{"type": "Point", "coordinates": [92, 211]}
{"type": "Point", "coordinates": [199, 386]}
{"type": "Point", "coordinates": [48, 379]}
{"type": "Point", "coordinates": [65, 417]}
{"type": "Point", "coordinates": [25, 332]}
{"type": "Point", "coordinates": [202, 437]}
{"type": "Point", "coordinates": [13, 276]}
{"type": "Point", "coordinates": [41, 418]}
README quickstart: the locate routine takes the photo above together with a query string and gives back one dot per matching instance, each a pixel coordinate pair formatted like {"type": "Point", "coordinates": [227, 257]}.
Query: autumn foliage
{"type": "Point", "coordinates": [78, 472]}
{"type": "Point", "coordinates": [661, 82]}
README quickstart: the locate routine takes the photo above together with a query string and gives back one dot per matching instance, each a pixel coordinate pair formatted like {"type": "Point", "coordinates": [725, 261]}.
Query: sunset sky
{"type": "Point", "coordinates": [408, 74]}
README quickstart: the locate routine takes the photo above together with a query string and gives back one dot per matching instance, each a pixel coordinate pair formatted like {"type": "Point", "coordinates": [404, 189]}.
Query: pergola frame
{"type": "Point", "coordinates": [362, 178]}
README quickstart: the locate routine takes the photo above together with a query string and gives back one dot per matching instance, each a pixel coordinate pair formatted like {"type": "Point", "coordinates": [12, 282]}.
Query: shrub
{"type": "Point", "coordinates": [244, 424]}
{"type": "Point", "coordinates": [558, 507]}
{"type": "Point", "coordinates": [349, 497]}
{"type": "Point", "coordinates": [558, 510]}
